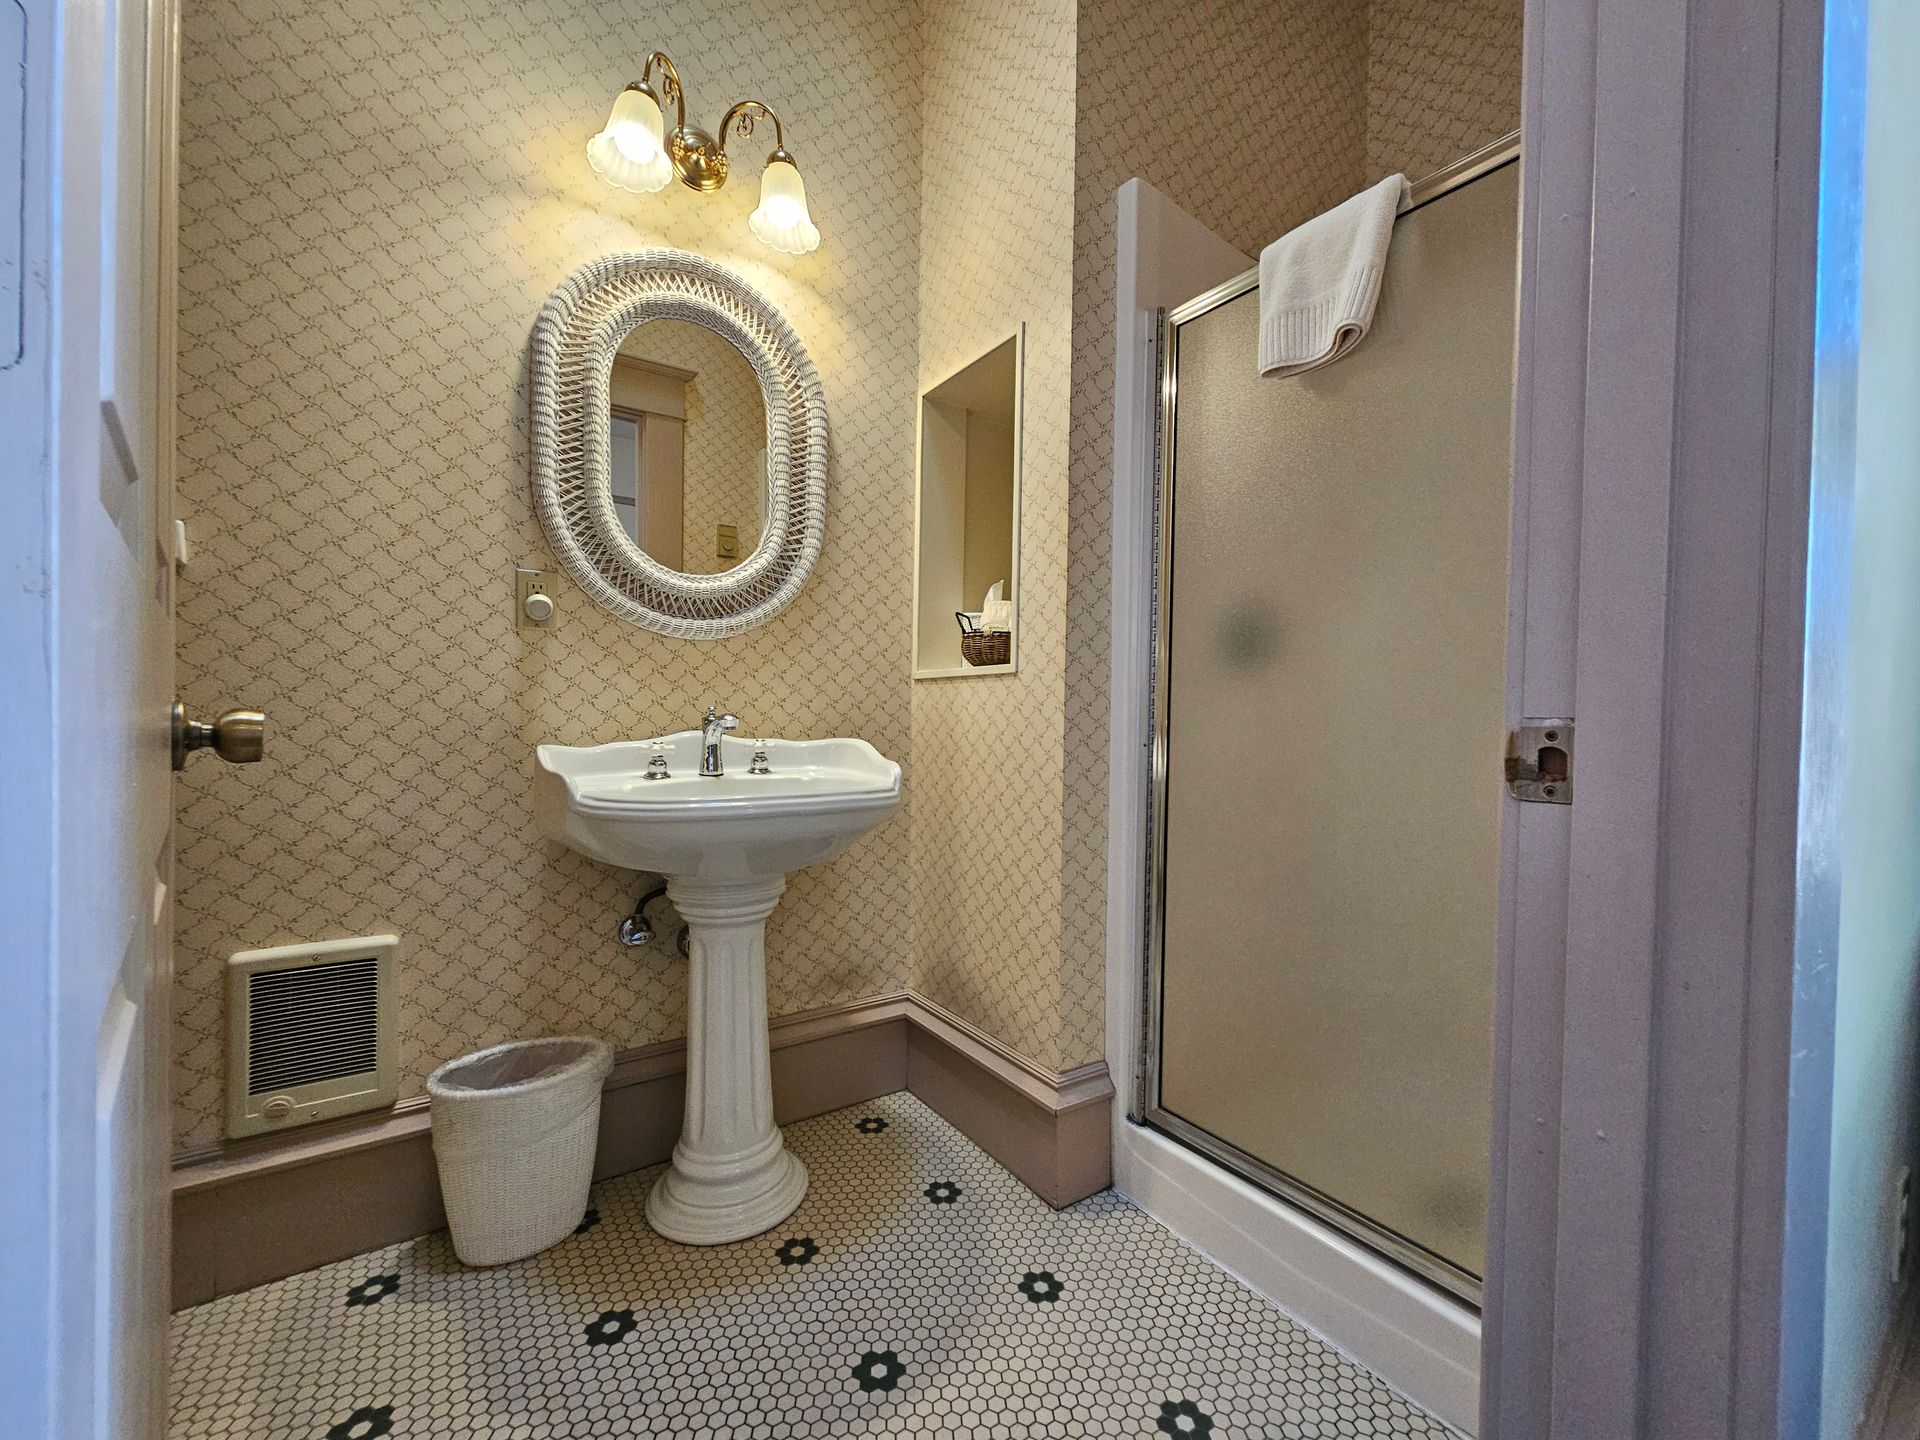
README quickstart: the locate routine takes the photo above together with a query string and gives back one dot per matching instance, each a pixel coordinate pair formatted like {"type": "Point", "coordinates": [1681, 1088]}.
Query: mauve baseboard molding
{"type": "Point", "coordinates": [253, 1211]}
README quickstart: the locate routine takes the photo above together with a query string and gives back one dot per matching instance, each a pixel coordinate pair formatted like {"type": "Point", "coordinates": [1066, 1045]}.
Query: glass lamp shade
{"type": "Point", "coordinates": [781, 220]}
{"type": "Point", "coordinates": [631, 152]}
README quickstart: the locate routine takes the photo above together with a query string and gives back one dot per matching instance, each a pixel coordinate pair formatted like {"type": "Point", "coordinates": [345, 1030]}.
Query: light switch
{"type": "Point", "coordinates": [726, 542]}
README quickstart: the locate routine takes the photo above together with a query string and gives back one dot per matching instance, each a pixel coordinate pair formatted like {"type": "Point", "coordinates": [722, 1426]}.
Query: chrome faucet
{"type": "Point", "coordinates": [717, 723]}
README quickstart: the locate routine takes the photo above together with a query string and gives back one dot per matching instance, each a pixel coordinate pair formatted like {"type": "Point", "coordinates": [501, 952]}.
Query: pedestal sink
{"type": "Point", "coordinates": [725, 845]}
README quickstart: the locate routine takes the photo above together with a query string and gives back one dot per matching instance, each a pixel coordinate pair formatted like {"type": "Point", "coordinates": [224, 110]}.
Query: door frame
{"type": "Point", "coordinates": [1662, 424]}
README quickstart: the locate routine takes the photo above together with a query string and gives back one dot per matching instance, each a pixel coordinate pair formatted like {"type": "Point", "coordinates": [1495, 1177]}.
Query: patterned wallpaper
{"type": "Point", "coordinates": [1443, 79]}
{"type": "Point", "coordinates": [996, 250]}
{"type": "Point", "coordinates": [726, 431]}
{"type": "Point", "coordinates": [375, 200]}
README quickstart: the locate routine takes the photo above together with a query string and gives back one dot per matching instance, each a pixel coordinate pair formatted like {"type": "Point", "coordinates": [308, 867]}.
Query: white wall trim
{"type": "Point", "coordinates": [1424, 1344]}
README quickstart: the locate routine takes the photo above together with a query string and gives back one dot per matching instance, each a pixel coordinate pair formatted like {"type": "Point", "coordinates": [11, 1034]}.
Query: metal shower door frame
{"type": "Point", "coordinates": [1143, 1103]}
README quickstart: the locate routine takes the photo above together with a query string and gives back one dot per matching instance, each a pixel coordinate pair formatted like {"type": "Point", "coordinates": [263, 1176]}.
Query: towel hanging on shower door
{"type": "Point", "coordinates": [1320, 281]}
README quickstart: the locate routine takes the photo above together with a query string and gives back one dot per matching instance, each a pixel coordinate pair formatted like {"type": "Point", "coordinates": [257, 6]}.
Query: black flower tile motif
{"type": "Point", "coordinates": [1183, 1417]}
{"type": "Point", "coordinates": [1040, 1287]}
{"type": "Point", "coordinates": [797, 1252]}
{"type": "Point", "coordinates": [587, 1221]}
{"type": "Point", "coordinates": [364, 1423]}
{"type": "Point", "coordinates": [372, 1290]}
{"type": "Point", "coordinates": [870, 1124]}
{"type": "Point", "coordinates": [611, 1328]}
{"type": "Point", "coordinates": [878, 1370]}
{"type": "Point", "coordinates": [964, 1305]}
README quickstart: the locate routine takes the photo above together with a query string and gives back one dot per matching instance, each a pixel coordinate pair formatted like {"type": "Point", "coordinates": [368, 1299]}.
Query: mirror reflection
{"type": "Point", "coordinates": [687, 446]}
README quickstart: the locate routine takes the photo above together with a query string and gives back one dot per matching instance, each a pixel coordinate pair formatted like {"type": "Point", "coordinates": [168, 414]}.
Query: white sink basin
{"type": "Point", "coordinates": [725, 844]}
{"type": "Point", "coordinates": [821, 796]}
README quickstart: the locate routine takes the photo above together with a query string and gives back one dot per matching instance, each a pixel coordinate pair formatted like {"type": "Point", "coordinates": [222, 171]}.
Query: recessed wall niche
{"type": "Point", "coordinates": [967, 531]}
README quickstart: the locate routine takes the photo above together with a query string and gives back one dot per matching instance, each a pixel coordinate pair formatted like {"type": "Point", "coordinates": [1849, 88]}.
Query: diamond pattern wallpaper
{"type": "Point", "coordinates": [997, 251]}
{"type": "Point", "coordinates": [1443, 79]}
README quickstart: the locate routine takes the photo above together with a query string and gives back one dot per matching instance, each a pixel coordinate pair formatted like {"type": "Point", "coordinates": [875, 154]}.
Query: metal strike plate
{"type": "Point", "coordinates": [1540, 762]}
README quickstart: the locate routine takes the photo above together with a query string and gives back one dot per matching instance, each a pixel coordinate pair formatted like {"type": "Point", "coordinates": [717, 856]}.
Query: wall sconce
{"type": "Point", "coordinates": [636, 152]}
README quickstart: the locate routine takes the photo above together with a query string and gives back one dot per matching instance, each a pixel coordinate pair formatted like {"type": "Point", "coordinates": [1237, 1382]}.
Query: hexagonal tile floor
{"type": "Point", "coordinates": [920, 1290]}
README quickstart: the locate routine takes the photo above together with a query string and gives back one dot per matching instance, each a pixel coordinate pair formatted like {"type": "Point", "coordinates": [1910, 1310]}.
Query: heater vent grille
{"type": "Point", "coordinates": [319, 1022]}
{"type": "Point", "coordinates": [309, 1033]}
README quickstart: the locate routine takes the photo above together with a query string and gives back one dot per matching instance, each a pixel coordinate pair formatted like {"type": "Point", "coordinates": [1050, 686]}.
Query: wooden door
{"type": "Point", "coordinates": [86, 641]}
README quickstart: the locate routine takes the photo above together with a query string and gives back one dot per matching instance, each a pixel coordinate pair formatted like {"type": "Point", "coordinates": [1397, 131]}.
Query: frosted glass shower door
{"type": "Point", "coordinates": [1332, 736]}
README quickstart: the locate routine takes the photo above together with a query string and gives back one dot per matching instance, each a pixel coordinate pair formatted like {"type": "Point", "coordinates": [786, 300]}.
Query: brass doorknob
{"type": "Point", "coordinates": [238, 737]}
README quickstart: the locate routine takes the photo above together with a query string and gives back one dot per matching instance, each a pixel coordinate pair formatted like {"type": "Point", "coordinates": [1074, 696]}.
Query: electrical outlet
{"type": "Point", "coordinates": [533, 606]}
{"type": "Point", "coordinates": [1902, 1224]}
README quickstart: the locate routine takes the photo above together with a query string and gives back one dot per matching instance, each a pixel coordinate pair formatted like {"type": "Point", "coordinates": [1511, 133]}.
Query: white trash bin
{"type": "Point", "coordinates": [514, 1130]}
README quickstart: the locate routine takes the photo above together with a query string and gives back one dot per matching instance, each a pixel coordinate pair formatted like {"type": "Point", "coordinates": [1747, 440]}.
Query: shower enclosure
{"type": "Point", "coordinates": [1328, 740]}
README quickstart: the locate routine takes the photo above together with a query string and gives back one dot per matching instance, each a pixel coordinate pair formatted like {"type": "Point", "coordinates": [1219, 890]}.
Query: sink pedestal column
{"type": "Point", "coordinates": [731, 1176]}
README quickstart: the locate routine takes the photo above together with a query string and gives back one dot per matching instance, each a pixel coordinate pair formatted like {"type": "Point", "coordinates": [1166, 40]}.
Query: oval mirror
{"type": "Point", "coordinates": [679, 444]}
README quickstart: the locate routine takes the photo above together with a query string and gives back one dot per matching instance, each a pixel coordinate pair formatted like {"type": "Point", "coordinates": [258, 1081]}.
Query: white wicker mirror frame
{"type": "Point", "coordinates": [580, 327]}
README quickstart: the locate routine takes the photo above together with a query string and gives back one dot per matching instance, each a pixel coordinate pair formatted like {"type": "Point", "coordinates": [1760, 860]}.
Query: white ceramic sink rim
{"type": "Point", "coordinates": [820, 797]}
{"type": "Point", "coordinates": [807, 776]}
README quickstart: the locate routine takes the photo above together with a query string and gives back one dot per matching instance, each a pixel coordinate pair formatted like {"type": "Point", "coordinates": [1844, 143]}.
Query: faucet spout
{"type": "Point", "coordinates": [716, 724]}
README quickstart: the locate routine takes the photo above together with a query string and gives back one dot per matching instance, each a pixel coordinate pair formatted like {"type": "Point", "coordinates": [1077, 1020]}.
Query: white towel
{"type": "Point", "coordinates": [1319, 283]}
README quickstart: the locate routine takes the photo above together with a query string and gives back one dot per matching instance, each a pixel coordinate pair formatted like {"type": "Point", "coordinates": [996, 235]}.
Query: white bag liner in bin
{"type": "Point", "coordinates": [514, 1131]}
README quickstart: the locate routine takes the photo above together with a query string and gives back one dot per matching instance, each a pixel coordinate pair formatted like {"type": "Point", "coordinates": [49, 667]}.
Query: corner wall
{"type": "Point", "coordinates": [996, 225]}
{"type": "Point", "coordinates": [1009, 839]}
{"type": "Point", "coordinates": [1283, 111]}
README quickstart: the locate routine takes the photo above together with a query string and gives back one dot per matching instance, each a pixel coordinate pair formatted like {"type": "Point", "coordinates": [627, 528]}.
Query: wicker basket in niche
{"type": "Point", "coordinates": [983, 647]}
{"type": "Point", "coordinates": [987, 647]}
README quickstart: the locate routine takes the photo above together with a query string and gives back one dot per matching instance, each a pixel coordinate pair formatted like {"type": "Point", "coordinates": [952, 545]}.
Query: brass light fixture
{"type": "Point", "coordinates": [636, 152]}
